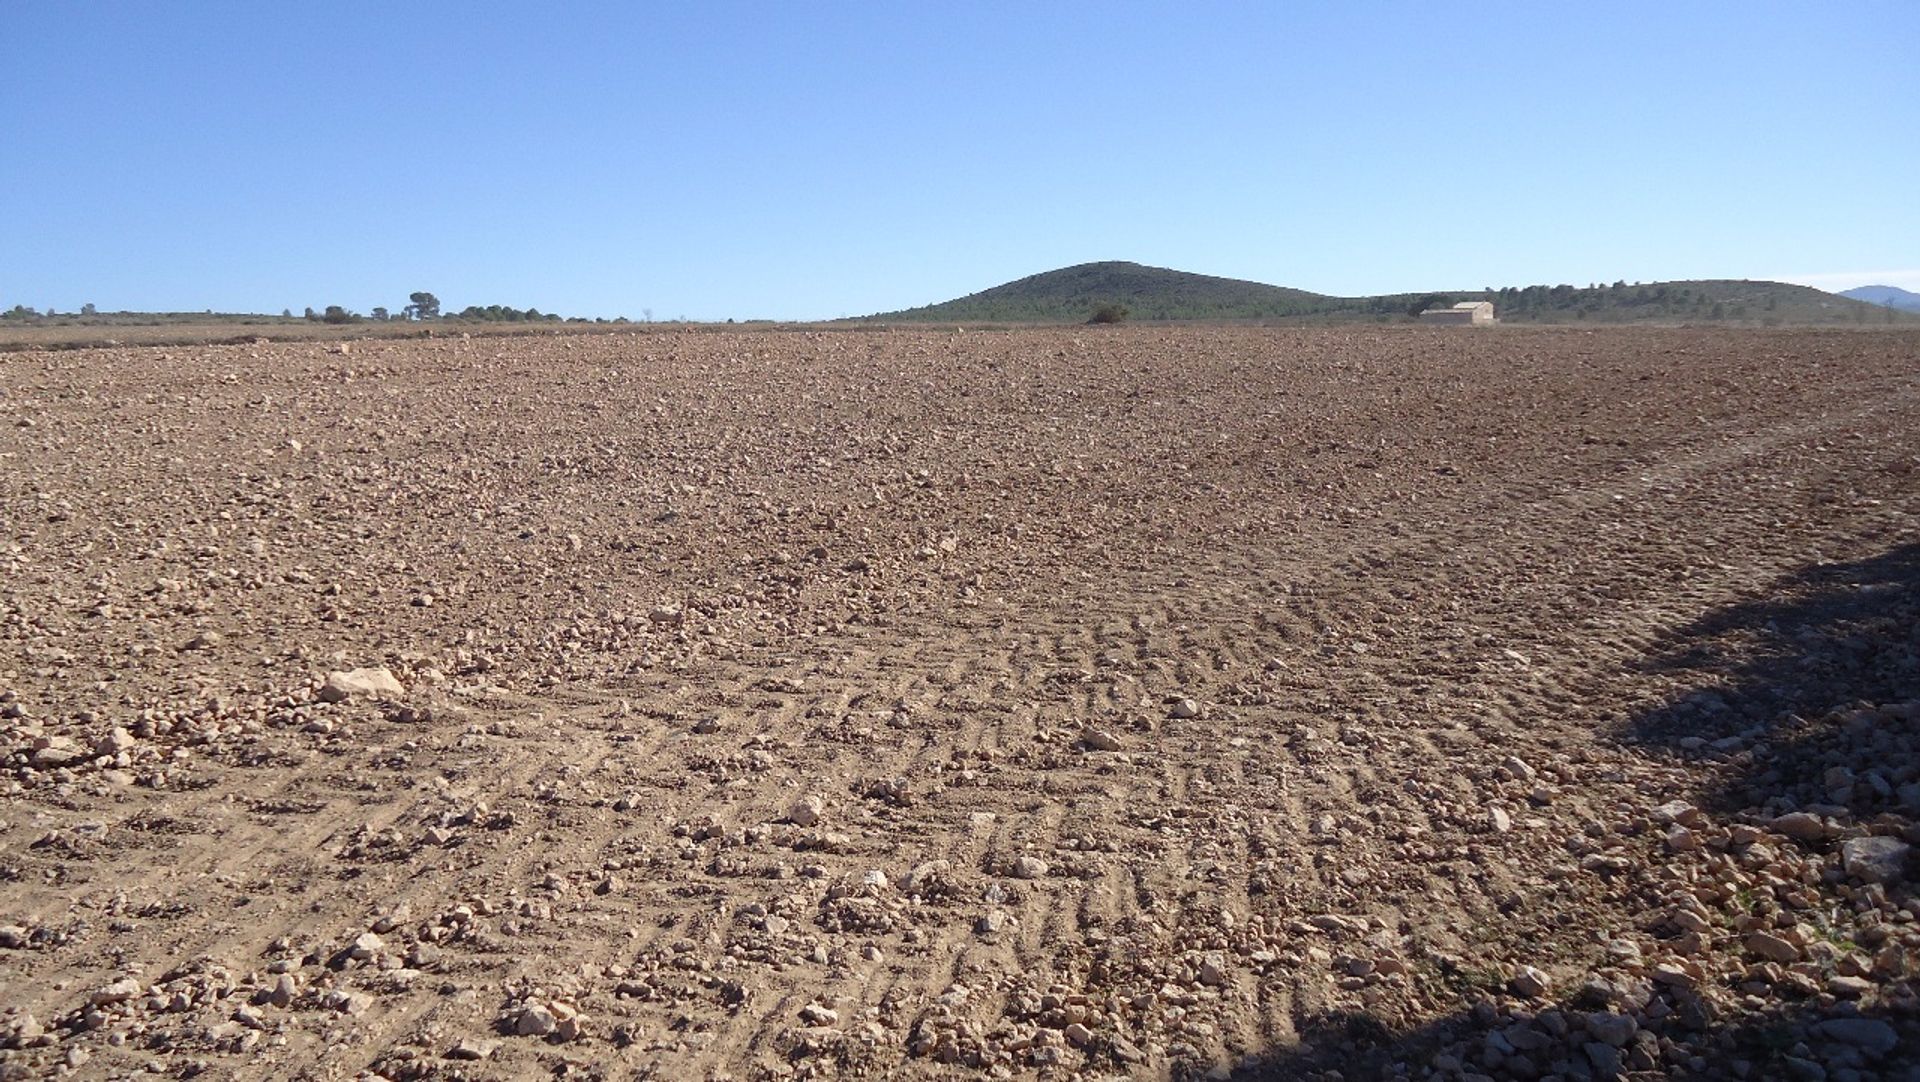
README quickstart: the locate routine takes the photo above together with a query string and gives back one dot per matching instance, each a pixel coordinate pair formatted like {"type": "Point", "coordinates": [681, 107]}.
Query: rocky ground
{"type": "Point", "coordinates": [1108, 703]}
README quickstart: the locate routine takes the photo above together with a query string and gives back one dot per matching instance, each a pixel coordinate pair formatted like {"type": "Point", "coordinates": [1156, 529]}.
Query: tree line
{"type": "Point", "coordinates": [421, 306]}
{"type": "Point", "coordinates": [424, 306]}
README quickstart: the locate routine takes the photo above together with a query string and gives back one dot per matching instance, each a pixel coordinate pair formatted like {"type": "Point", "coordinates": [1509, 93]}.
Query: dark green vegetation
{"type": "Point", "coordinates": [1075, 294]}
{"type": "Point", "coordinates": [423, 307]}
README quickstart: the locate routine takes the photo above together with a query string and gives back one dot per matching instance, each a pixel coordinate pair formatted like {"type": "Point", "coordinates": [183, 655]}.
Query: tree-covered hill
{"type": "Point", "coordinates": [1075, 294]}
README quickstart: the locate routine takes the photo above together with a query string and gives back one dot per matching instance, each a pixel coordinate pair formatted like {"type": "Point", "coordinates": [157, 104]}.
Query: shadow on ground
{"type": "Point", "coordinates": [1805, 696]}
{"type": "Point", "coordinates": [1802, 698]}
{"type": "Point", "coordinates": [1781, 1044]}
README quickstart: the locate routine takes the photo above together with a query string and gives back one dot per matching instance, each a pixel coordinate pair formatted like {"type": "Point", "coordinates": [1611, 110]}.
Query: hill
{"type": "Point", "coordinates": [1072, 294]}
{"type": "Point", "coordinates": [1886, 296]}
{"type": "Point", "coordinates": [1704, 301]}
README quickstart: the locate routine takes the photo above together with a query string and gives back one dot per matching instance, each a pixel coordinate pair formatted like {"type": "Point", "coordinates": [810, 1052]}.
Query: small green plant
{"type": "Point", "coordinates": [1110, 313]}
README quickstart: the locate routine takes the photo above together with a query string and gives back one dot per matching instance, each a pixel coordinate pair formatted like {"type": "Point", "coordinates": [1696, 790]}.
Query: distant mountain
{"type": "Point", "coordinates": [1074, 294]}
{"type": "Point", "coordinates": [1886, 296]}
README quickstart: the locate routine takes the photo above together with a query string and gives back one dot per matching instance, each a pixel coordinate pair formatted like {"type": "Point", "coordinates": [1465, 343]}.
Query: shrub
{"type": "Point", "coordinates": [1109, 313]}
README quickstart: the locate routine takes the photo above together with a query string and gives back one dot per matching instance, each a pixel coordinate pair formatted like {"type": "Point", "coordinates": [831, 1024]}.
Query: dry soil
{"type": "Point", "coordinates": [1135, 702]}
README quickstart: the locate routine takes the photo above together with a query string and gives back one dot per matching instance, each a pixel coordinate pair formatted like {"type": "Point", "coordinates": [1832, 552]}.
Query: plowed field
{"type": "Point", "coordinates": [1136, 702]}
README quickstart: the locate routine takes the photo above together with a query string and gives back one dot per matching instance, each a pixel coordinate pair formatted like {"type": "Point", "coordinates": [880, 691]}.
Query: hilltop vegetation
{"type": "Point", "coordinates": [1074, 294]}
{"type": "Point", "coordinates": [1710, 301]}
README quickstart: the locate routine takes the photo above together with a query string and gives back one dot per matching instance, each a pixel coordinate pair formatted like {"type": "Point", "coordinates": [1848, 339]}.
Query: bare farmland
{"type": "Point", "coordinates": [1123, 702]}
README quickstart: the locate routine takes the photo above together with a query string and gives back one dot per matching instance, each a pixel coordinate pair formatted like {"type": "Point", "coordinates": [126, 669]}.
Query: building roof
{"type": "Point", "coordinates": [1473, 304]}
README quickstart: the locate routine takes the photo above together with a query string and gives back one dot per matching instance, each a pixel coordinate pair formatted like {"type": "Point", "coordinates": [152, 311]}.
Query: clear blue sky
{"type": "Point", "coordinates": [814, 160]}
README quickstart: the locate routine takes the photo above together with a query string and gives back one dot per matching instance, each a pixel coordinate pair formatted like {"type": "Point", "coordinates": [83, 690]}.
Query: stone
{"type": "Point", "coordinates": [206, 640]}
{"type": "Point", "coordinates": [366, 947]}
{"type": "Point", "coordinates": [806, 811]}
{"type": "Point", "coordinates": [470, 1049]}
{"type": "Point", "coordinates": [1800, 826]}
{"type": "Point", "coordinates": [1077, 1034]}
{"type": "Point", "coordinates": [1213, 971]}
{"type": "Point", "coordinates": [814, 1014]}
{"type": "Point", "coordinates": [1869, 1034]}
{"type": "Point", "coordinates": [50, 752]}
{"type": "Point", "coordinates": [1499, 820]}
{"type": "Point", "coordinates": [992, 923]}
{"type": "Point", "coordinates": [1101, 740]}
{"type": "Point", "coordinates": [1678, 811]}
{"type": "Point", "coordinates": [924, 873]}
{"type": "Point", "coordinates": [1674, 975]}
{"type": "Point", "coordinates": [1772, 947]}
{"type": "Point", "coordinates": [1875, 859]}
{"type": "Point", "coordinates": [1805, 1070]}
{"type": "Point", "coordinates": [116, 741]}
{"type": "Point", "coordinates": [1849, 987]}
{"type": "Point", "coordinates": [362, 683]}
{"type": "Point", "coordinates": [1689, 921]}
{"type": "Point", "coordinates": [535, 1020]}
{"type": "Point", "coordinates": [1517, 768]}
{"type": "Point", "coordinates": [1614, 1030]}
{"type": "Point", "coordinates": [119, 991]}
{"type": "Point", "coordinates": [1185, 708]}
{"type": "Point", "coordinates": [1529, 982]}
{"type": "Point", "coordinates": [1030, 868]}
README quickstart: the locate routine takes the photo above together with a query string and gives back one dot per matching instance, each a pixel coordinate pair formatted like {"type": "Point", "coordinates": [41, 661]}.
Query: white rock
{"type": "Point", "coordinates": [56, 751]}
{"type": "Point", "coordinates": [368, 683]}
{"type": "Point", "coordinates": [1030, 868]}
{"type": "Point", "coordinates": [807, 810]}
{"type": "Point", "coordinates": [118, 992]}
{"type": "Point", "coordinates": [535, 1021]}
{"type": "Point", "coordinates": [115, 742]}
